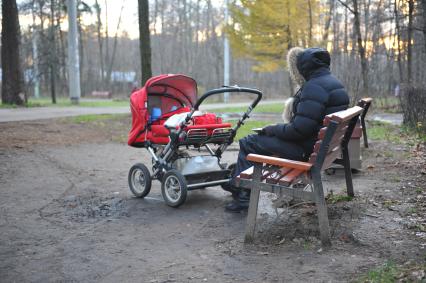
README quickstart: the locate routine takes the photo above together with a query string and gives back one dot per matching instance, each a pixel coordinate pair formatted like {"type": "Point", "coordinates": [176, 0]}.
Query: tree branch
{"type": "Point", "coordinates": [346, 6]}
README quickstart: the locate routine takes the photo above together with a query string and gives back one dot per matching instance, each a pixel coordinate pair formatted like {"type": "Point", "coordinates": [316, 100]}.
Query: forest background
{"type": "Point", "coordinates": [377, 46]}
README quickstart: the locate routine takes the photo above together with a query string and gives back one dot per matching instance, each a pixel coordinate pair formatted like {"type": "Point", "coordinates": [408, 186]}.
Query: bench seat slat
{"type": "Point", "coordinates": [287, 163]}
{"type": "Point", "coordinates": [290, 177]}
{"type": "Point", "coordinates": [248, 173]}
{"type": "Point", "coordinates": [275, 177]}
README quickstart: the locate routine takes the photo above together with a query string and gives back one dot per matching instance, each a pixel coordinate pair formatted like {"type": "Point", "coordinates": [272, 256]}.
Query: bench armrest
{"type": "Point", "coordinates": [287, 163]}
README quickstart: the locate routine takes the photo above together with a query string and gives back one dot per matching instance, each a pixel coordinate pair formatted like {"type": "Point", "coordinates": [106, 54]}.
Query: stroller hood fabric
{"type": "Point", "coordinates": [168, 93]}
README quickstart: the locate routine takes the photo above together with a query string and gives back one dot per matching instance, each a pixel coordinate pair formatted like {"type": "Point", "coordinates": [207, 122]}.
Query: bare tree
{"type": "Point", "coordinates": [409, 41]}
{"type": "Point", "coordinates": [10, 61]}
{"type": "Point", "coordinates": [361, 49]}
{"type": "Point", "coordinates": [144, 40]}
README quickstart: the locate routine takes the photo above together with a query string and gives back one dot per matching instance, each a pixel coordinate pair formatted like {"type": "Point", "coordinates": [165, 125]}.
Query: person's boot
{"type": "Point", "coordinates": [232, 189]}
{"type": "Point", "coordinates": [239, 204]}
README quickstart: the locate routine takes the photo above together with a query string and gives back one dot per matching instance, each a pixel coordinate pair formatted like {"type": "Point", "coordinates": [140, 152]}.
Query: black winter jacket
{"type": "Point", "coordinates": [320, 95]}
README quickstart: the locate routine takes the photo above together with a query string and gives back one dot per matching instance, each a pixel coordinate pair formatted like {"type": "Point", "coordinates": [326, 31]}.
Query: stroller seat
{"type": "Point", "coordinates": [173, 96]}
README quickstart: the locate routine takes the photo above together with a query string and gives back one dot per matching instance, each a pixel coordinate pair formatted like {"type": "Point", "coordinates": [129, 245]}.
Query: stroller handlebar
{"type": "Point", "coordinates": [225, 89]}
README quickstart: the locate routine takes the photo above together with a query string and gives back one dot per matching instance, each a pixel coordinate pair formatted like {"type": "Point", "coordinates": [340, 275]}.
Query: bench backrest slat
{"type": "Point", "coordinates": [342, 116]}
{"type": "Point", "coordinates": [336, 133]}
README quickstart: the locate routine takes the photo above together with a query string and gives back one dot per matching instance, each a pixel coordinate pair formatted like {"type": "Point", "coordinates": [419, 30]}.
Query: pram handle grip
{"type": "Point", "coordinates": [230, 89]}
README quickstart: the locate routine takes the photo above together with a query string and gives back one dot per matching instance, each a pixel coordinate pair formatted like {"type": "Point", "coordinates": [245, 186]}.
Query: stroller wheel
{"type": "Point", "coordinates": [140, 180]}
{"type": "Point", "coordinates": [173, 188]}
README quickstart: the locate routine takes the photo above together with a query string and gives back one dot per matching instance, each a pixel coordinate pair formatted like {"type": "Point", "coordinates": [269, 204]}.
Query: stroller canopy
{"type": "Point", "coordinates": [177, 87]}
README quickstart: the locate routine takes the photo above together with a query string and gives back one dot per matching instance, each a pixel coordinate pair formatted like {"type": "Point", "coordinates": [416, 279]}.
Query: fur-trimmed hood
{"type": "Point", "coordinates": [302, 65]}
{"type": "Point", "coordinates": [295, 74]}
{"type": "Point", "coordinates": [297, 79]}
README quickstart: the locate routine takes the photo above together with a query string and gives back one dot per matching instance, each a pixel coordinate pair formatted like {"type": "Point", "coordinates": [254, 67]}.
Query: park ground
{"type": "Point", "coordinates": [66, 214]}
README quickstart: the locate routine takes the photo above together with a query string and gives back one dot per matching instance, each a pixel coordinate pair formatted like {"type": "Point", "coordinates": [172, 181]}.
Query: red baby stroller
{"type": "Point", "coordinates": [166, 121]}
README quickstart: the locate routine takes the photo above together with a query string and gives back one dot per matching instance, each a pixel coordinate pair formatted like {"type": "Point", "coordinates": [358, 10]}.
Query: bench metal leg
{"type": "Point", "coordinates": [254, 202]}
{"type": "Point", "coordinates": [348, 171]}
{"type": "Point", "coordinates": [364, 132]}
{"type": "Point", "coordinates": [324, 226]}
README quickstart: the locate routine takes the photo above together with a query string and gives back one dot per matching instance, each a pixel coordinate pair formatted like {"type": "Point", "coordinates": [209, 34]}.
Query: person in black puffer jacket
{"type": "Point", "coordinates": [320, 94]}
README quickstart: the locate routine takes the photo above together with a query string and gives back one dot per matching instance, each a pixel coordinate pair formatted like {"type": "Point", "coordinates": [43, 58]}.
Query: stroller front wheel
{"type": "Point", "coordinates": [174, 188]}
{"type": "Point", "coordinates": [139, 180]}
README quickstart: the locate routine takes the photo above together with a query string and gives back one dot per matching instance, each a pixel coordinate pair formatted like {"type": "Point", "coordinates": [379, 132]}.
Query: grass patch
{"type": "Point", "coordinates": [384, 132]}
{"type": "Point", "coordinates": [265, 108]}
{"type": "Point", "coordinates": [7, 106]}
{"type": "Point", "coordinates": [65, 102]}
{"type": "Point", "coordinates": [95, 117]}
{"type": "Point", "coordinates": [248, 125]}
{"type": "Point", "coordinates": [332, 198]}
{"type": "Point", "coordinates": [388, 272]}
{"type": "Point", "coordinates": [396, 134]}
{"type": "Point", "coordinates": [389, 104]}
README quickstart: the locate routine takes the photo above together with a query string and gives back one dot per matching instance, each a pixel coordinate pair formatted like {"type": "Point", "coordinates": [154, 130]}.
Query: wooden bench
{"type": "Point", "coordinates": [355, 141]}
{"type": "Point", "coordinates": [280, 176]}
{"type": "Point", "coordinates": [365, 104]}
{"type": "Point", "coordinates": [101, 94]}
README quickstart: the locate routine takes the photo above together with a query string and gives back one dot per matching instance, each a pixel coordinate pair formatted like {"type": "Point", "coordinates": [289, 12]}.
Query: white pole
{"type": "Point", "coordinates": [35, 57]}
{"type": "Point", "coordinates": [35, 64]}
{"type": "Point", "coordinates": [226, 56]}
{"type": "Point", "coordinates": [73, 60]}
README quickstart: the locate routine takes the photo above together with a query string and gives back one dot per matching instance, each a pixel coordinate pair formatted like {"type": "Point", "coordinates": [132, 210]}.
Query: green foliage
{"type": "Point", "coordinates": [265, 30]}
{"type": "Point", "coordinates": [248, 125]}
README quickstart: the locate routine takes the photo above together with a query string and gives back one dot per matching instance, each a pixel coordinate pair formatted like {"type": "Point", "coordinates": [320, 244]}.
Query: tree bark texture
{"type": "Point", "coordinates": [144, 40]}
{"type": "Point", "coordinates": [12, 80]}
{"type": "Point", "coordinates": [424, 21]}
{"type": "Point", "coordinates": [409, 41]}
{"type": "Point", "coordinates": [361, 49]}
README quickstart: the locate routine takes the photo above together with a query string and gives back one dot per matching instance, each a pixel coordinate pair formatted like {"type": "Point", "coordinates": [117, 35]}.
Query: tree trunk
{"type": "Point", "coordinates": [83, 79]}
{"type": "Point", "coordinates": [328, 22]}
{"type": "Point", "coordinates": [424, 21]}
{"type": "Point", "coordinates": [114, 48]}
{"type": "Point", "coordinates": [409, 39]}
{"type": "Point", "coordinates": [398, 40]}
{"type": "Point", "coordinates": [106, 86]}
{"type": "Point", "coordinates": [310, 23]}
{"type": "Point", "coordinates": [361, 49]}
{"type": "Point", "coordinates": [144, 40]}
{"type": "Point", "coordinates": [12, 82]}
{"type": "Point", "coordinates": [52, 58]}
{"type": "Point", "coordinates": [100, 41]}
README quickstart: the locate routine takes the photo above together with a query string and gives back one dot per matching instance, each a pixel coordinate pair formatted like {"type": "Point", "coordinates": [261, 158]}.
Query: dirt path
{"type": "Point", "coordinates": [67, 215]}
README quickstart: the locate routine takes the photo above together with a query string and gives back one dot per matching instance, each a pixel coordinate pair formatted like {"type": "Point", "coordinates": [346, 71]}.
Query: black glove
{"type": "Point", "coordinates": [268, 131]}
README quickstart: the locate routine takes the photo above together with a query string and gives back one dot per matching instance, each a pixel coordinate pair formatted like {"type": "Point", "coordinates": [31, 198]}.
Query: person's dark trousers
{"type": "Point", "coordinates": [258, 144]}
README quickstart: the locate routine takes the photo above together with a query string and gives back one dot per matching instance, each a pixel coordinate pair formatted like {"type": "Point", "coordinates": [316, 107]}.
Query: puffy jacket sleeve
{"type": "Point", "coordinates": [307, 119]}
